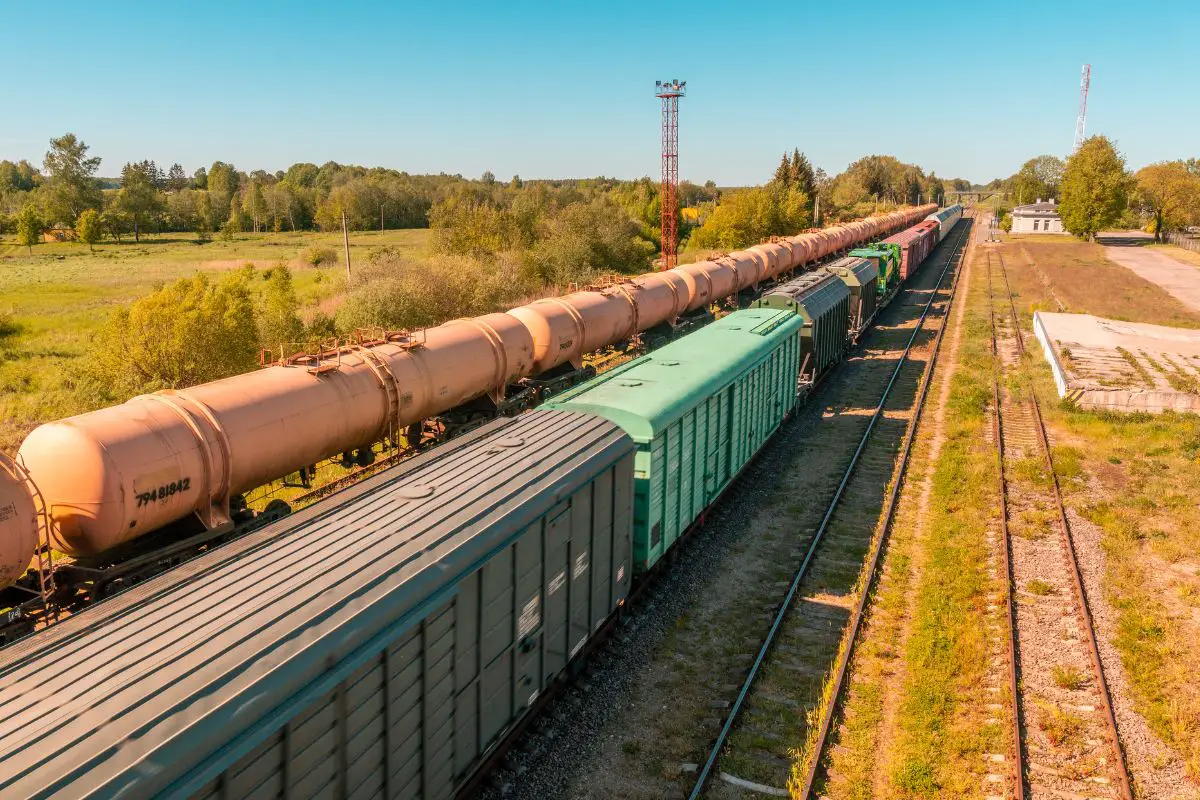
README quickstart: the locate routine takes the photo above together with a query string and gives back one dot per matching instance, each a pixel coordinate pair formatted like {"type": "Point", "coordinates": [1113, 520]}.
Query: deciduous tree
{"type": "Point", "coordinates": [29, 226]}
{"type": "Point", "coordinates": [279, 323]}
{"type": "Point", "coordinates": [138, 198]}
{"type": "Point", "coordinates": [87, 228]}
{"type": "Point", "coordinates": [1171, 193]}
{"type": "Point", "coordinates": [1038, 179]}
{"type": "Point", "coordinates": [71, 185]}
{"type": "Point", "coordinates": [1095, 188]}
{"type": "Point", "coordinates": [749, 216]}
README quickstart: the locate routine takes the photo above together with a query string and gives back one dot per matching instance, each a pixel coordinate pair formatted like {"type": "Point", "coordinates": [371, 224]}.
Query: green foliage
{"type": "Point", "coordinates": [585, 240]}
{"type": "Point", "coordinates": [116, 222]}
{"type": "Point", "coordinates": [393, 291]}
{"type": "Point", "coordinates": [254, 206]}
{"type": "Point", "coordinates": [315, 255]}
{"type": "Point", "coordinates": [18, 177]}
{"type": "Point", "coordinates": [1170, 191]}
{"type": "Point", "coordinates": [1095, 188]}
{"type": "Point", "coordinates": [478, 227]}
{"type": "Point", "coordinates": [29, 226]}
{"type": "Point", "coordinates": [1038, 179]}
{"type": "Point", "coordinates": [88, 229]}
{"type": "Point", "coordinates": [71, 185]}
{"type": "Point", "coordinates": [749, 216]}
{"type": "Point", "coordinates": [279, 322]}
{"type": "Point", "coordinates": [139, 198]}
{"type": "Point", "coordinates": [192, 331]}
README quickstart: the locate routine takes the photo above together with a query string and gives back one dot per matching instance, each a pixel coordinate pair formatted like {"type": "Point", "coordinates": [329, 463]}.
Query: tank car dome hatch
{"type": "Point", "coordinates": [18, 523]}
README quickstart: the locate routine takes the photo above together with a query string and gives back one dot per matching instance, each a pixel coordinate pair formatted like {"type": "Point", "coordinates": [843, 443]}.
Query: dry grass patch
{"type": "Point", "coordinates": [1087, 282]}
{"type": "Point", "coordinates": [1137, 477]}
{"type": "Point", "coordinates": [1178, 253]}
{"type": "Point", "coordinates": [1062, 728]}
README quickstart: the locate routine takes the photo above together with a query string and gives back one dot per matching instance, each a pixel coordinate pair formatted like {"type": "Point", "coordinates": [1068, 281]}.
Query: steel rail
{"type": "Point", "coordinates": [1018, 749]}
{"type": "Point", "coordinates": [1064, 527]}
{"type": "Point", "coordinates": [706, 769]}
{"type": "Point", "coordinates": [889, 514]}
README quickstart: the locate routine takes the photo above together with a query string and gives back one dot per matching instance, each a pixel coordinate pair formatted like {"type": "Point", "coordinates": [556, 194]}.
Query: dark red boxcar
{"type": "Point", "coordinates": [916, 243]}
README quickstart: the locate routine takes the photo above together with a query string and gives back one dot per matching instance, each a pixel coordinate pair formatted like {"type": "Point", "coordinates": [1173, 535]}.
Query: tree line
{"type": "Point", "coordinates": [1096, 190]}
{"type": "Point", "coordinates": [800, 196]}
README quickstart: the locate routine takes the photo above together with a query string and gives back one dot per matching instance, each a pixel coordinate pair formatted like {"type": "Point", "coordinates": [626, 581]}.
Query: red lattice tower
{"type": "Point", "coordinates": [670, 92]}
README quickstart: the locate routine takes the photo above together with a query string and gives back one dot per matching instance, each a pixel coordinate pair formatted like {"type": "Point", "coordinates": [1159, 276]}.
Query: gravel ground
{"type": "Point", "coordinates": [1156, 771]}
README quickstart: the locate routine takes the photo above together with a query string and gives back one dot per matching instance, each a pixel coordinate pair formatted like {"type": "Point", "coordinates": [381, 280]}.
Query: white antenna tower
{"type": "Point", "coordinates": [1081, 123]}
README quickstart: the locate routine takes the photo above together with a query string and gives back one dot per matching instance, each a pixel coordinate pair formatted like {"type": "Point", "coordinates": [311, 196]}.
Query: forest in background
{"type": "Point", "coordinates": [491, 244]}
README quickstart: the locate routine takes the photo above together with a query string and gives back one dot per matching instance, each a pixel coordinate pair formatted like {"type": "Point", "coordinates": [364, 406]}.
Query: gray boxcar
{"type": "Point", "coordinates": [377, 644]}
{"type": "Point", "coordinates": [861, 277]}
{"type": "Point", "coordinates": [823, 301]}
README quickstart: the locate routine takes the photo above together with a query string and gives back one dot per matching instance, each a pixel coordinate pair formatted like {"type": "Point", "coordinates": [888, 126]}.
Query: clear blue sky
{"type": "Point", "coordinates": [566, 89]}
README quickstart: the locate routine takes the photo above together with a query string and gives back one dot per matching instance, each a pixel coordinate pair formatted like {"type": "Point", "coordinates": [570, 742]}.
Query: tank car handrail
{"type": "Point", "coordinates": [43, 521]}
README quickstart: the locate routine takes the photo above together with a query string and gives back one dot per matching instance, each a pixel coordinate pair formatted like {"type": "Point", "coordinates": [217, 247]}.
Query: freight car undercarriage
{"type": "Point", "coordinates": [64, 586]}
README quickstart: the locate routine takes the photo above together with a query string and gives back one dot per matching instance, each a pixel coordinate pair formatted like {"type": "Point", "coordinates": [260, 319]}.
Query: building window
{"type": "Point", "coordinates": [1035, 222]}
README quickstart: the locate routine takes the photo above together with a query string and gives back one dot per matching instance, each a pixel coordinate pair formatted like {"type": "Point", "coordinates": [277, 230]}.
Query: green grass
{"type": "Point", "coordinates": [53, 304]}
{"type": "Point", "coordinates": [1039, 587]}
{"type": "Point", "coordinates": [1067, 677]}
{"type": "Point", "coordinates": [941, 737]}
{"type": "Point", "coordinates": [1142, 476]}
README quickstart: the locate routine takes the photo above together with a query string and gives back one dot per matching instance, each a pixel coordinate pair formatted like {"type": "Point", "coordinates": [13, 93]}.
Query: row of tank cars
{"type": "Point", "coordinates": [383, 641]}
{"type": "Point", "coordinates": [130, 490]}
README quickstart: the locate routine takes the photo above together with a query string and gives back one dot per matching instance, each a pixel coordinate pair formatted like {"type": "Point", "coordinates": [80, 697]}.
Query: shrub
{"type": "Point", "coordinates": [316, 255]}
{"type": "Point", "coordinates": [189, 332]}
{"type": "Point", "coordinates": [9, 326]}
{"type": "Point", "coordinates": [393, 292]}
{"type": "Point", "coordinates": [279, 323]}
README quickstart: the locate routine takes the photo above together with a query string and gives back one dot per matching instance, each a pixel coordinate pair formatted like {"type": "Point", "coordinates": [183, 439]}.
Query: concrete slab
{"type": "Point", "coordinates": [1180, 280]}
{"type": "Point", "coordinates": [1121, 366]}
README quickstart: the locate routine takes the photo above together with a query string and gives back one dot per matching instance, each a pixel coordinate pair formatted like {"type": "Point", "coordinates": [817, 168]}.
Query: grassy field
{"type": "Point", "coordinates": [916, 722]}
{"type": "Point", "coordinates": [1140, 479]}
{"type": "Point", "coordinates": [53, 303]}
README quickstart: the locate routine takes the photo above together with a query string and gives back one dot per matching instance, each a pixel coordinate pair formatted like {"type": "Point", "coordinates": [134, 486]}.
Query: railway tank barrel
{"type": "Point", "coordinates": [118, 473]}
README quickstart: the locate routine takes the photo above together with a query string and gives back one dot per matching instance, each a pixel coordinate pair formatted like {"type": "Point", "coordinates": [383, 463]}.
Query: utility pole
{"type": "Point", "coordinates": [817, 212]}
{"type": "Point", "coordinates": [346, 243]}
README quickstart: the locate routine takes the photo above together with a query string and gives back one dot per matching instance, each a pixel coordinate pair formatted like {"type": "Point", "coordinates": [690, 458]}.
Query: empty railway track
{"type": "Point", "coordinates": [1066, 742]}
{"type": "Point", "coordinates": [822, 605]}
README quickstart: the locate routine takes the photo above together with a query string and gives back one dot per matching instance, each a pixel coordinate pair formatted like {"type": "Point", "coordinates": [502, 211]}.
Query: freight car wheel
{"type": "Point", "coordinates": [276, 509]}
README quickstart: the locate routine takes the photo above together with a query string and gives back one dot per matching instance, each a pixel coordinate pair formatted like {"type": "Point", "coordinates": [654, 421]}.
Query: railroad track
{"type": "Point", "coordinates": [1065, 741]}
{"type": "Point", "coordinates": [825, 598]}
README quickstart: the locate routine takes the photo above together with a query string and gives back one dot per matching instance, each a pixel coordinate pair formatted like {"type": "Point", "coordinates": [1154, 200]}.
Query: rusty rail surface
{"type": "Point", "coordinates": [1064, 526]}
{"type": "Point", "coordinates": [1014, 693]}
{"type": "Point", "coordinates": [706, 771]}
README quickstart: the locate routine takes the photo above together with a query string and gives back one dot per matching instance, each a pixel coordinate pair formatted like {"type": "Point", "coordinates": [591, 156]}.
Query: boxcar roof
{"type": "Point", "coordinates": [649, 393]}
{"type": "Point", "coordinates": [811, 295]}
{"type": "Point", "coordinates": [859, 270]}
{"type": "Point", "coordinates": [166, 685]}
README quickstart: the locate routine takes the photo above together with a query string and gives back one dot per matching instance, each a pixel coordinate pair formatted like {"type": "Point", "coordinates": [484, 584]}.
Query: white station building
{"type": "Point", "coordinates": [1037, 217]}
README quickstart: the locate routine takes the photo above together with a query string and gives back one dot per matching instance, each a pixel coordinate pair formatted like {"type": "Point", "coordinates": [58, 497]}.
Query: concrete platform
{"type": "Point", "coordinates": [1121, 366]}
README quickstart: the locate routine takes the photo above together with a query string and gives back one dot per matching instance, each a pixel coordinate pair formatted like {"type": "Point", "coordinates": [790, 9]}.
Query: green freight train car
{"type": "Point", "coordinates": [822, 300]}
{"type": "Point", "coordinates": [698, 409]}
{"type": "Point", "coordinates": [886, 258]}
{"type": "Point", "coordinates": [861, 277]}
